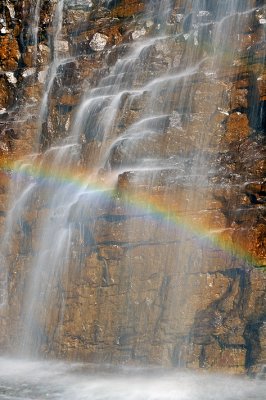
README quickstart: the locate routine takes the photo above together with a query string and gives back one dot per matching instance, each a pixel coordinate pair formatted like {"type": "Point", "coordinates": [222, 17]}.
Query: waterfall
{"type": "Point", "coordinates": [151, 125]}
{"type": "Point", "coordinates": [34, 28]}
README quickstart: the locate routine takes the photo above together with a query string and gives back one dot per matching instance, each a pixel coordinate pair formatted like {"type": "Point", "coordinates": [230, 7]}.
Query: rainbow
{"type": "Point", "coordinates": [141, 200]}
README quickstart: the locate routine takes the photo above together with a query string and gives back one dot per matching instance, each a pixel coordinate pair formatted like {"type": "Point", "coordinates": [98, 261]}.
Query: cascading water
{"type": "Point", "coordinates": [143, 127]}
{"type": "Point", "coordinates": [23, 192]}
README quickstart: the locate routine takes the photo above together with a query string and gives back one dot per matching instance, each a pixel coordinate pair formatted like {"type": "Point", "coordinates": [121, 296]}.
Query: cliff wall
{"type": "Point", "coordinates": [187, 287]}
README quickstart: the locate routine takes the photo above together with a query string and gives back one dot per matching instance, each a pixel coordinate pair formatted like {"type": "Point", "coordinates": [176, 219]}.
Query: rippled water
{"type": "Point", "coordinates": [20, 379]}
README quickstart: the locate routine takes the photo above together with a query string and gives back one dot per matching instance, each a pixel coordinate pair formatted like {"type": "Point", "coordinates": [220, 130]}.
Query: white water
{"type": "Point", "coordinates": [34, 28]}
{"type": "Point", "coordinates": [56, 61]}
{"type": "Point", "coordinates": [29, 380]}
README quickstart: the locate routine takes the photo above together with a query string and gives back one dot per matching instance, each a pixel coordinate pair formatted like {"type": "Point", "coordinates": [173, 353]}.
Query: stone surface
{"type": "Point", "coordinates": [159, 239]}
{"type": "Point", "coordinates": [98, 42]}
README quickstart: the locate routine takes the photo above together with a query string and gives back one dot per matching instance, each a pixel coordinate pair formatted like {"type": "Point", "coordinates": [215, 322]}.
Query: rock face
{"type": "Point", "coordinates": [168, 268]}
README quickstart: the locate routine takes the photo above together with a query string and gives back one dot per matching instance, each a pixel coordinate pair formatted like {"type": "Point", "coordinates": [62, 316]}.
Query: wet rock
{"type": "Point", "coordinates": [6, 94]}
{"type": "Point", "coordinates": [98, 42]}
{"type": "Point", "coordinates": [128, 8]}
{"type": "Point", "coordinates": [29, 57]}
{"type": "Point", "coordinates": [62, 48]}
{"type": "Point", "coordinates": [113, 252]}
{"type": "Point", "coordinates": [256, 192]}
{"type": "Point", "coordinates": [239, 99]}
{"type": "Point", "coordinates": [261, 80]}
{"type": "Point", "coordinates": [9, 53]}
{"type": "Point", "coordinates": [43, 54]}
{"type": "Point", "coordinates": [28, 72]}
{"type": "Point", "coordinates": [165, 234]}
{"type": "Point", "coordinates": [237, 127]}
{"type": "Point", "coordinates": [138, 33]}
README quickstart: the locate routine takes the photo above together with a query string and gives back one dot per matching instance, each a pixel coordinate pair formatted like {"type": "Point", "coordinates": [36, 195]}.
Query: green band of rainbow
{"type": "Point", "coordinates": [146, 203]}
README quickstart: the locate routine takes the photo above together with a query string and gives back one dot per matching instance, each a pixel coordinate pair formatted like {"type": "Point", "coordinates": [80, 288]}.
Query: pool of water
{"type": "Point", "coordinates": [26, 380]}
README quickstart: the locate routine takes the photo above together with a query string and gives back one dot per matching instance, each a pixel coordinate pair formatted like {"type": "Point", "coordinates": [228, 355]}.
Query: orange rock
{"type": "Point", "coordinates": [9, 53]}
{"type": "Point", "coordinates": [68, 99]}
{"type": "Point", "coordinates": [128, 8]}
{"type": "Point", "coordinates": [261, 81]}
{"type": "Point", "coordinates": [237, 127]}
{"type": "Point", "coordinates": [4, 93]}
{"type": "Point", "coordinates": [29, 56]}
{"type": "Point", "coordinates": [239, 98]}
